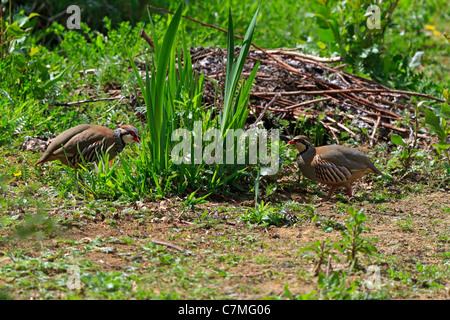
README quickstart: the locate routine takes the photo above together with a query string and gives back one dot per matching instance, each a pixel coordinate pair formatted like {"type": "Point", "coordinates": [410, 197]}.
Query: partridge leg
{"type": "Point", "coordinates": [349, 192]}
{"type": "Point", "coordinates": [330, 193]}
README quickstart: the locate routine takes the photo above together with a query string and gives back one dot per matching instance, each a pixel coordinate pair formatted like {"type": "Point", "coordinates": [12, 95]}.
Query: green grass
{"type": "Point", "coordinates": [99, 224]}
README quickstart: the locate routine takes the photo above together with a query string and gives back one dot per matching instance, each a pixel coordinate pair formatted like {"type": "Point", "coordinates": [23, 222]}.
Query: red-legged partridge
{"type": "Point", "coordinates": [332, 165]}
{"type": "Point", "coordinates": [88, 141]}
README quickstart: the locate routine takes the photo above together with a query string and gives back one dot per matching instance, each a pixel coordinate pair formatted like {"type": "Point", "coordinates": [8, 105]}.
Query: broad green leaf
{"type": "Point", "coordinates": [441, 146]}
{"type": "Point", "coordinates": [395, 138]}
{"type": "Point", "coordinates": [433, 122]}
{"type": "Point", "coordinates": [15, 31]}
{"type": "Point", "coordinates": [445, 111]}
{"type": "Point", "coordinates": [326, 35]}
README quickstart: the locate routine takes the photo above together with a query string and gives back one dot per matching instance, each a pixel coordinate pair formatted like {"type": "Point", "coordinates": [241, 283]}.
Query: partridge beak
{"type": "Point", "coordinates": [136, 139]}
{"type": "Point", "coordinates": [292, 141]}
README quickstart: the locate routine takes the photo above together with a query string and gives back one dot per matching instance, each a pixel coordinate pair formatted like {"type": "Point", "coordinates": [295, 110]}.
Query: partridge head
{"type": "Point", "coordinates": [333, 165]}
{"type": "Point", "coordinates": [87, 141]}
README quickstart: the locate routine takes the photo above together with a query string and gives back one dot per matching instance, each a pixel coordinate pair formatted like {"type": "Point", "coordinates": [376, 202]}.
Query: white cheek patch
{"type": "Point", "coordinates": [127, 139]}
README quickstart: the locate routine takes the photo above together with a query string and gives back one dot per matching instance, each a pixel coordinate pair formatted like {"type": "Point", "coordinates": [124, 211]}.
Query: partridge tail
{"type": "Point", "coordinates": [376, 170]}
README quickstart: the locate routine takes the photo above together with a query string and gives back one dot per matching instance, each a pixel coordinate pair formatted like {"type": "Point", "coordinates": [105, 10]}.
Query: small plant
{"type": "Point", "coordinates": [405, 152]}
{"type": "Point", "coordinates": [320, 251]}
{"type": "Point", "coordinates": [38, 226]}
{"type": "Point", "coordinates": [334, 286]}
{"type": "Point", "coordinates": [407, 225]}
{"type": "Point", "coordinates": [260, 214]}
{"type": "Point", "coordinates": [191, 201]}
{"type": "Point", "coordinates": [352, 243]}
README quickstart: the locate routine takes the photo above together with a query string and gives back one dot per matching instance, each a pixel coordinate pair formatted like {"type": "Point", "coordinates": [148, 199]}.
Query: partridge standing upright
{"type": "Point", "coordinates": [88, 141]}
{"type": "Point", "coordinates": [332, 165]}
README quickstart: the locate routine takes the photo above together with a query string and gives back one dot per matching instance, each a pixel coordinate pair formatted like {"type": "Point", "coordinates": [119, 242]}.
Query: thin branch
{"type": "Point", "coordinates": [147, 38]}
{"type": "Point", "coordinates": [295, 106]}
{"type": "Point", "coordinates": [183, 251]}
{"type": "Point", "coordinates": [74, 103]}
{"type": "Point", "coordinates": [301, 55]}
{"type": "Point", "coordinates": [264, 111]}
{"type": "Point", "coordinates": [367, 91]}
{"type": "Point", "coordinates": [374, 132]}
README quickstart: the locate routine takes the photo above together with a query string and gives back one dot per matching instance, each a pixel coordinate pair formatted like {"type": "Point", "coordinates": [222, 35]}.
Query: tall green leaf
{"type": "Point", "coordinates": [234, 68]}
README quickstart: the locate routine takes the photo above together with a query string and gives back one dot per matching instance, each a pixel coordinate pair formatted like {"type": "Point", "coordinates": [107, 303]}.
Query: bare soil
{"type": "Point", "coordinates": [267, 258]}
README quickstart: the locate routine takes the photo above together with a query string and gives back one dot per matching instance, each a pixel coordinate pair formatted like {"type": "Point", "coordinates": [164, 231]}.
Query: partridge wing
{"type": "Point", "coordinates": [84, 141]}
{"type": "Point", "coordinates": [327, 171]}
{"type": "Point", "coordinates": [352, 159]}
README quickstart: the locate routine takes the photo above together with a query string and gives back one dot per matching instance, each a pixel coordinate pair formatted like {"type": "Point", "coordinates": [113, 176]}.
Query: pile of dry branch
{"type": "Point", "coordinates": [292, 85]}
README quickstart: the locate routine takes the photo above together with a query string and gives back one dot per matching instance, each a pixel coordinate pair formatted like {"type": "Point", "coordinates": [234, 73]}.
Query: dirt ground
{"type": "Point", "coordinates": [405, 232]}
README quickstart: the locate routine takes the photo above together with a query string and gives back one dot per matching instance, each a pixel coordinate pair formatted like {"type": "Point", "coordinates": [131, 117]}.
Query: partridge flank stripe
{"type": "Point", "coordinates": [333, 165]}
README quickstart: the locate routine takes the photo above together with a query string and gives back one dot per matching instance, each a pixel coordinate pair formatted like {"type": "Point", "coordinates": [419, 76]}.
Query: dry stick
{"type": "Point", "coordinates": [341, 66]}
{"type": "Point", "coordinates": [68, 104]}
{"type": "Point", "coordinates": [371, 105]}
{"type": "Point", "coordinates": [264, 111]}
{"type": "Point", "coordinates": [333, 91]}
{"type": "Point", "coordinates": [372, 136]}
{"type": "Point", "coordinates": [301, 55]}
{"type": "Point", "coordinates": [331, 129]}
{"type": "Point", "coordinates": [340, 125]}
{"type": "Point", "coordinates": [183, 251]}
{"type": "Point", "coordinates": [353, 97]}
{"type": "Point", "coordinates": [194, 20]}
{"type": "Point", "coordinates": [358, 100]}
{"type": "Point", "coordinates": [389, 103]}
{"type": "Point", "coordinates": [295, 106]}
{"type": "Point", "coordinates": [314, 114]}
{"type": "Point", "coordinates": [289, 49]}
{"type": "Point", "coordinates": [368, 81]}
{"type": "Point", "coordinates": [326, 118]}
{"type": "Point", "coordinates": [383, 124]}
{"type": "Point", "coordinates": [280, 101]}
{"type": "Point", "coordinates": [202, 55]}
{"type": "Point", "coordinates": [366, 91]}
{"type": "Point", "coordinates": [286, 66]}
{"type": "Point", "coordinates": [396, 117]}
{"type": "Point", "coordinates": [147, 38]}
{"type": "Point", "coordinates": [382, 101]}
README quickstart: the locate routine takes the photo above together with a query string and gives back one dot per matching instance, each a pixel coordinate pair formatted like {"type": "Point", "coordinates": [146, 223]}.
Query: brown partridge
{"type": "Point", "coordinates": [88, 141]}
{"type": "Point", "coordinates": [332, 165]}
